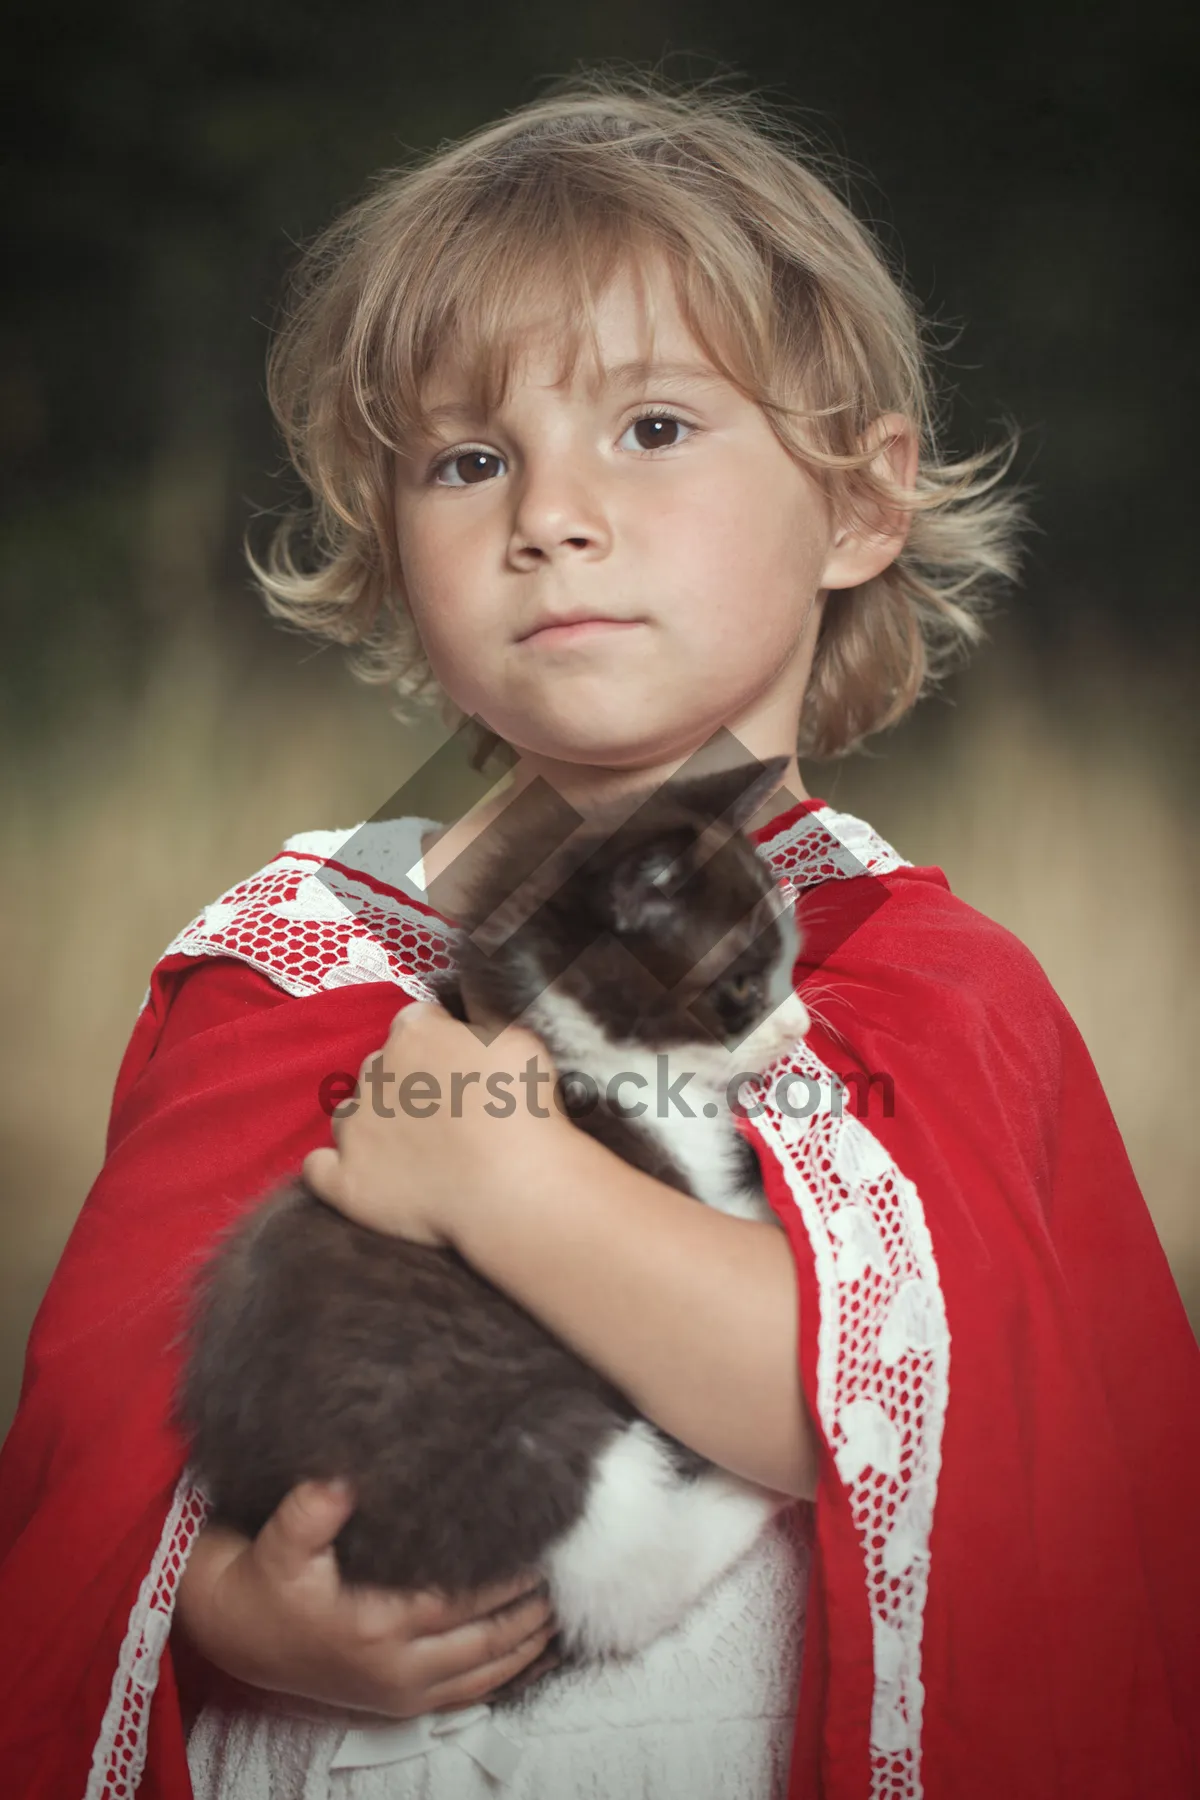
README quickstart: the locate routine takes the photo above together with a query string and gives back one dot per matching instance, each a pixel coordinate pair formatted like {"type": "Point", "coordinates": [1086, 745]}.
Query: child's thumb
{"type": "Point", "coordinates": [322, 1170]}
{"type": "Point", "coordinates": [305, 1523]}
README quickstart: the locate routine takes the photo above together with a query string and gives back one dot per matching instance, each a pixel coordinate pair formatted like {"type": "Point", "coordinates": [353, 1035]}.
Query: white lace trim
{"type": "Point", "coordinates": [824, 845]}
{"type": "Point", "coordinates": [311, 921]}
{"type": "Point", "coordinates": [883, 1374]}
{"type": "Point", "coordinates": [120, 1753]}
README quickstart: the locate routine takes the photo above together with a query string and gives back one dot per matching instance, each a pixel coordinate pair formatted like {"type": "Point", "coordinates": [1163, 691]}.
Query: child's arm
{"type": "Point", "coordinates": [691, 1313]}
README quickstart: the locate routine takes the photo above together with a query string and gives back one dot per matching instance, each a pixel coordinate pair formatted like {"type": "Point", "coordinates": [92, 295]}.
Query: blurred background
{"type": "Point", "coordinates": [1033, 167]}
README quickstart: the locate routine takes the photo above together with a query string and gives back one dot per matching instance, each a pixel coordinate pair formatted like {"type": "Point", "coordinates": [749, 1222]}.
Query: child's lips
{"type": "Point", "coordinates": [579, 631]}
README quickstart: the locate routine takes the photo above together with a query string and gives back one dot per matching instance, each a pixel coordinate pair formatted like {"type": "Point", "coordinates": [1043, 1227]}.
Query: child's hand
{"type": "Point", "coordinates": [411, 1154]}
{"type": "Point", "coordinates": [273, 1612]}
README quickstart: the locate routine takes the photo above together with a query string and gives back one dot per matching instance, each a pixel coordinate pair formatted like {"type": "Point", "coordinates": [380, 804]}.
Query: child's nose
{"type": "Point", "coordinates": [559, 514]}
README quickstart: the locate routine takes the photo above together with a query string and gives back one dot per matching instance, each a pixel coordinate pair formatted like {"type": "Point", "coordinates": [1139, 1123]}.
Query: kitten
{"type": "Point", "coordinates": [477, 1444]}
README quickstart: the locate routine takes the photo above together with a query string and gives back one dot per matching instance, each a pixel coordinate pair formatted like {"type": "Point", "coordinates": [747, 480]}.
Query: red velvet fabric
{"type": "Point", "coordinates": [1060, 1651]}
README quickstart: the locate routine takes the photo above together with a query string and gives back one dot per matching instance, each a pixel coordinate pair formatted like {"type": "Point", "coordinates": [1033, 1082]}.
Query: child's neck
{"type": "Point", "coordinates": [449, 869]}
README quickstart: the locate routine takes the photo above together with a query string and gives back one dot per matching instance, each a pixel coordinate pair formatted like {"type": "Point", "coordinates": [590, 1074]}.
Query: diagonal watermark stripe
{"type": "Point", "coordinates": [533, 837]}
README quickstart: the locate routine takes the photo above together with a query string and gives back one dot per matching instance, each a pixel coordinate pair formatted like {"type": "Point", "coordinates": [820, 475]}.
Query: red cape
{"type": "Point", "coordinates": [1005, 1591]}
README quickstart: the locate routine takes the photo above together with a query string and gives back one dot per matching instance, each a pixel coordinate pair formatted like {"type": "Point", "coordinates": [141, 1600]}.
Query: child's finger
{"type": "Point", "coordinates": [498, 1635]}
{"type": "Point", "coordinates": [322, 1171]}
{"type": "Point", "coordinates": [550, 1658]}
{"type": "Point", "coordinates": [303, 1526]}
{"type": "Point", "coordinates": [477, 1681]}
{"type": "Point", "coordinates": [436, 1612]}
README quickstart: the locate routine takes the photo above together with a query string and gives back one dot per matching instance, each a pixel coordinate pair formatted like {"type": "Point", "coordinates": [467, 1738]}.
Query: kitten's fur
{"type": "Point", "coordinates": [477, 1444]}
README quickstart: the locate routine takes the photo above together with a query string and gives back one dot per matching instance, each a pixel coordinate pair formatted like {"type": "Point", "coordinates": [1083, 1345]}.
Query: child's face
{"type": "Point", "coordinates": [700, 534]}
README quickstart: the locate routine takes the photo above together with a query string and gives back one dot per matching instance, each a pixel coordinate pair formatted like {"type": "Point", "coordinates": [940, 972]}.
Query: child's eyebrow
{"type": "Point", "coordinates": [638, 372]}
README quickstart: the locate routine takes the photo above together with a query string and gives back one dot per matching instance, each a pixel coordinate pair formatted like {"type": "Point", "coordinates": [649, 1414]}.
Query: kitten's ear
{"type": "Point", "coordinates": [735, 794]}
{"type": "Point", "coordinates": [644, 883]}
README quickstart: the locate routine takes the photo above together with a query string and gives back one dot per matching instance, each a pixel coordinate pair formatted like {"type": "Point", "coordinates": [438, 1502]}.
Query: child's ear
{"type": "Point", "coordinates": [863, 548]}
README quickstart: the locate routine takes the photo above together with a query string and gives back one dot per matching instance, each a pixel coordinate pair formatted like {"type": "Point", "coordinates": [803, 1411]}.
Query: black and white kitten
{"type": "Point", "coordinates": [477, 1444]}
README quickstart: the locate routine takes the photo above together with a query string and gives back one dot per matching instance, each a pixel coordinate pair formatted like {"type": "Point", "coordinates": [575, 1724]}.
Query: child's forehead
{"type": "Point", "coordinates": [461, 383]}
{"type": "Point", "coordinates": [635, 332]}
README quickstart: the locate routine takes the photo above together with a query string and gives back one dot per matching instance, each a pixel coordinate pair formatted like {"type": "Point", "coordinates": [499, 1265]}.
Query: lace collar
{"type": "Point", "coordinates": [335, 908]}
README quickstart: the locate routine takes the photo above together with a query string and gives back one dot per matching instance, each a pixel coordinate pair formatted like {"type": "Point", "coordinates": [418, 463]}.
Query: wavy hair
{"type": "Point", "coordinates": [785, 290]}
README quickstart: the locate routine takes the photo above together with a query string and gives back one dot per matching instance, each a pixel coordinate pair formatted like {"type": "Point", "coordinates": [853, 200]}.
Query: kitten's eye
{"type": "Point", "coordinates": [743, 987]}
{"type": "Point", "coordinates": [467, 468]}
{"type": "Point", "coordinates": [657, 431]}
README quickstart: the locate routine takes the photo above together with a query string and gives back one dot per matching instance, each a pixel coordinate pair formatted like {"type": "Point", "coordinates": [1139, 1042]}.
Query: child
{"type": "Point", "coordinates": [625, 356]}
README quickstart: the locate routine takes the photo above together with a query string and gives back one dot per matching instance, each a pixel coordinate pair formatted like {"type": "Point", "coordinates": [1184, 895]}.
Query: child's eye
{"type": "Point", "coordinates": [466, 468]}
{"type": "Point", "coordinates": [657, 429]}
{"type": "Point", "coordinates": [654, 429]}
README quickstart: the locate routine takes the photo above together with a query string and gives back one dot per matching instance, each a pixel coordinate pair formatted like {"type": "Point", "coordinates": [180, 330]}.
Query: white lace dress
{"type": "Point", "coordinates": [705, 1713]}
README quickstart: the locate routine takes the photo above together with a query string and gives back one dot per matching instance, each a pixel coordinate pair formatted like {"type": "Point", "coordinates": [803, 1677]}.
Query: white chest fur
{"type": "Point", "coordinates": [681, 1096]}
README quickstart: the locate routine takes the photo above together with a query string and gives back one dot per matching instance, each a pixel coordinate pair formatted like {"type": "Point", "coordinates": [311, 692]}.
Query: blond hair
{"type": "Point", "coordinates": [782, 287]}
